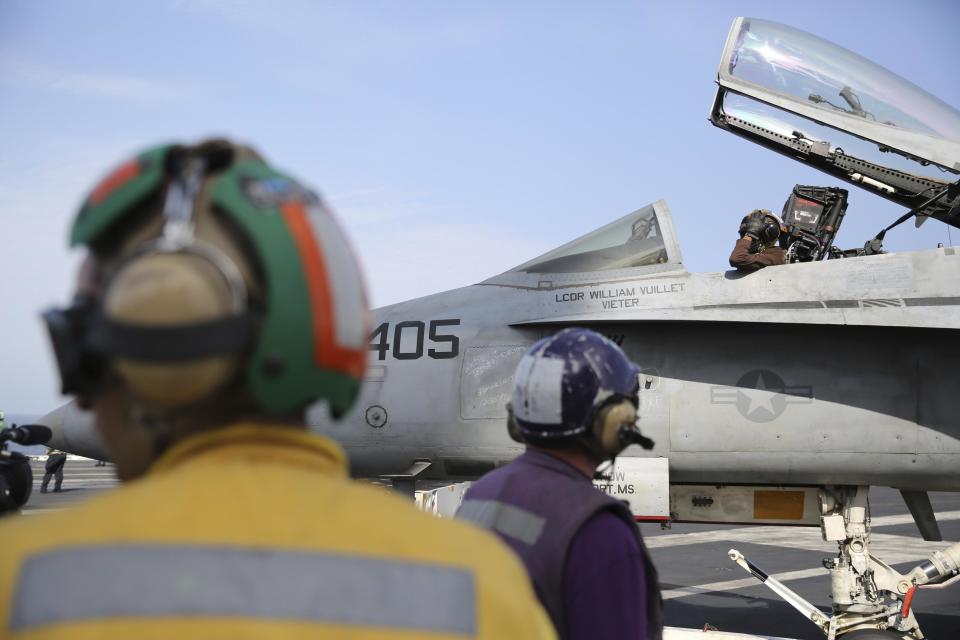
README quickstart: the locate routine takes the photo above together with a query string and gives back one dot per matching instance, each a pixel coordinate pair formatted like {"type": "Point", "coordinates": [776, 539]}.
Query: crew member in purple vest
{"type": "Point", "coordinates": [574, 404]}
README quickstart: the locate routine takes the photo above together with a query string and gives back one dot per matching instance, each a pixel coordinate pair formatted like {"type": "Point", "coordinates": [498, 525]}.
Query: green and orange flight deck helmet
{"type": "Point", "coordinates": [215, 271]}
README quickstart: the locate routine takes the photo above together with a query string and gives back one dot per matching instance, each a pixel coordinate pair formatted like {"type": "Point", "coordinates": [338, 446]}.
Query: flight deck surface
{"type": "Point", "coordinates": [700, 584]}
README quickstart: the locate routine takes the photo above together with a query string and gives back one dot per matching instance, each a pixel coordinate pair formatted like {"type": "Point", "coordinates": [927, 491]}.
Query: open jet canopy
{"type": "Point", "coordinates": [830, 108]}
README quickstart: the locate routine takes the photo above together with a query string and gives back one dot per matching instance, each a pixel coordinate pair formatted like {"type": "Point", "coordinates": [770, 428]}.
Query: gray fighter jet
{"type": "Point", "coordinates": [778, 396]}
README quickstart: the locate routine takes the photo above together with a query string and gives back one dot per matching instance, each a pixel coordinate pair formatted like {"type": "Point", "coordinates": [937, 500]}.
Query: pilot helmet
{"type": "Point", "coordinates": [781, 229]}
{"type": "Point", "coordinates": [575, 386]}
{"type": "Point", "coordinates": [764, 224]}
{"type": "Point", "coordinates": [213, 270]}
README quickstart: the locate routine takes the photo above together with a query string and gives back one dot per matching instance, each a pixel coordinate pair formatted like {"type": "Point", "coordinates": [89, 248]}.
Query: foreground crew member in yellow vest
{"type": "Point", "coordinates": [220, 299]}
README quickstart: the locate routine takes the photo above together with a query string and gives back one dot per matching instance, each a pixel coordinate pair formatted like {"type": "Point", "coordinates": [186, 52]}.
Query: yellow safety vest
{"type": "Point", "coordinates": [256, 532]}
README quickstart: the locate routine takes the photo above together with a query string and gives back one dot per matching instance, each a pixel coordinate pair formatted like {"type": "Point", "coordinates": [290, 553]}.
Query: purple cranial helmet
{"type": "Point", "coordinates": [564, 380]}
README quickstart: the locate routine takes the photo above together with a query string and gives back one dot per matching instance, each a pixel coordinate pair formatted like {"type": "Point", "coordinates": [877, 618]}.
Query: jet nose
{"type": "Point", "coordinates": [72, 431]}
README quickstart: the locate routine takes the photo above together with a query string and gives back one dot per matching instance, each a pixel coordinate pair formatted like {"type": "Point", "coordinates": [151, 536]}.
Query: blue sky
{"type": "Point", "coordinates": [454, 139]}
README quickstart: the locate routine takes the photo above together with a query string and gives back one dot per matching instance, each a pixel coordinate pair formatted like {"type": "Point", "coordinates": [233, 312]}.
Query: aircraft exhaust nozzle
{"type": "Point", "coordinates": [72, 431]}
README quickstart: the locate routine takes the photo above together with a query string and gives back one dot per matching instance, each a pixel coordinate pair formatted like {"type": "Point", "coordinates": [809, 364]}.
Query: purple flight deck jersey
{"type": "Point", "coordinates": [582, 549]}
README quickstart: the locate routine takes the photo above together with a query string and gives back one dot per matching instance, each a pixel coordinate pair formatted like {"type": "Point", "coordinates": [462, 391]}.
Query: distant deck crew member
{"type": "Point", "coordinates": [574, 404]}
{"type": "Point", "coordinates": [54, 469]}
{"type": "Point", "coordinates": [757, 247]}
{"type": "Point", "coordinates": [219, 300]}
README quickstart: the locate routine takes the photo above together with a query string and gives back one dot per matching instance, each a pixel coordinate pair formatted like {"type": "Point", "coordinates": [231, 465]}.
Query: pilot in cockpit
{"type": "Point", "coordinates": [760, 231]}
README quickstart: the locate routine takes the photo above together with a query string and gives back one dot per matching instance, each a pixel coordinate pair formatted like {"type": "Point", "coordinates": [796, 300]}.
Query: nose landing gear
{"type": "Point", "coordinates": [871, 600]}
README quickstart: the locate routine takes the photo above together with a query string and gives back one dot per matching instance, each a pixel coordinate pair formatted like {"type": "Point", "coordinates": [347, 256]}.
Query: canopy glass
{"type": "Point", "coordinates": [811, 70]}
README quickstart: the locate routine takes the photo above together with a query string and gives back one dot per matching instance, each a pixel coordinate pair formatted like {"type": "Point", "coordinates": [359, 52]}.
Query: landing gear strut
{"type": "Point", "coordinates": [867, 593]}
{"type": "Point", "coordinates": [871, 600]}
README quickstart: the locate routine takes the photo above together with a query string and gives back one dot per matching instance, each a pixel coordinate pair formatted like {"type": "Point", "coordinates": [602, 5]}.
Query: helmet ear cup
{"type": "Point", "coordinates": [608, 423]}
{"type": "Point", "coordinates": [168, 289]}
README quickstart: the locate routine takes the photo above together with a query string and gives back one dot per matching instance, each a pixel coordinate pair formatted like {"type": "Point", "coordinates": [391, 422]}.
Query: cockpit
{"type": "Point", "coordinates": [832, 109]}
{"type": "Point", "coordinates": [642, 240]}
{"type": "Point", "coordinates": [818, 103]}
{"type": "Point", "coordinates": [631, 241]}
